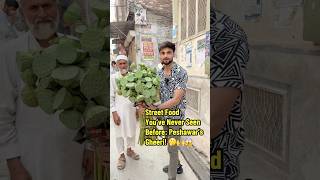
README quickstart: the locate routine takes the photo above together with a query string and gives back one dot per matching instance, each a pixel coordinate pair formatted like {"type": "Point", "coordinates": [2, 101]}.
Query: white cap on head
{"type": "Point", "coordinates": [121, 57]}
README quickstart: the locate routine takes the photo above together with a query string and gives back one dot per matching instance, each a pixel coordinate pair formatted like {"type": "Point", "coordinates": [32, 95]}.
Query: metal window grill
{"type": "Point", "coordinates": [193, 99]}
{"type": "Point", "coordinates": [263, 119]}
{"type": "Point", "coordinates": [191, 17]}
{"type": "Point", "coordinates": [202, 15]}
{"type": "Point", "coordinates": [183, 19]}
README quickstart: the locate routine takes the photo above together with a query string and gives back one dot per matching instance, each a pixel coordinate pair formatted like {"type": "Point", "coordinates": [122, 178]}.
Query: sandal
{"type": "Point", "coordinates": [121, 162]}
{"type": "Point", "coordinates": [133, 155]}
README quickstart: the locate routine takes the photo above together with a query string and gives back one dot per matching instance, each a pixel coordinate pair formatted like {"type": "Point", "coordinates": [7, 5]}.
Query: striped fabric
{"type": "Point", "coordinates": [229, 56]}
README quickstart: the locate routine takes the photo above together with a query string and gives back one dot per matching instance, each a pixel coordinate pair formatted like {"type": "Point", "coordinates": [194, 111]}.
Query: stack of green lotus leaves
{"type": "Point", "coordinates": [70, 77]}
{"type": "Point", "coordinates": [141, 85]}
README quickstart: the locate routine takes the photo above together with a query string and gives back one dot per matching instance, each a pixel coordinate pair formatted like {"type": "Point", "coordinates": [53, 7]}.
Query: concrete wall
{"type": "Point", "coordinates": [194, 70]}
{"type": "Point", "coordinates": [132, 51]}
{"type": "Point", "coordinates": [158, 27]}
{"type": "Point", "coordinates": [300, 73]}
{"type": "Point", "coordinates": [198, 79]}
{"type": "Point", "coordinates": [279, 54]}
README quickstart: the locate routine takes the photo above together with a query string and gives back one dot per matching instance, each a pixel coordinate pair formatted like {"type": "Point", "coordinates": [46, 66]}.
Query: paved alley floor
{"type": "Point", "coordinates": [152, 160]}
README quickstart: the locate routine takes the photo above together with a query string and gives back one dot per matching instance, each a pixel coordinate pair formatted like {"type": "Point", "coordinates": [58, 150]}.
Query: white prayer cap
{"type": "Point", "coordinates": [121, 57]}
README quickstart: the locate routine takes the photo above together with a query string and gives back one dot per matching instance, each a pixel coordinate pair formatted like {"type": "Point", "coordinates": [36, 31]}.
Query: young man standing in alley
{"type": "Point", "coordinates": [229, 57]}
{"type": "Point", "coordinates": [173, 86]}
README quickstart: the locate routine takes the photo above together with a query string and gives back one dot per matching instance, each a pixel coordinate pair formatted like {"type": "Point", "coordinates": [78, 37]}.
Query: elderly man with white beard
{"type": "Point", "coordinates": [123, 115]}
{"type": "Point", "coordinates": [34, 144]}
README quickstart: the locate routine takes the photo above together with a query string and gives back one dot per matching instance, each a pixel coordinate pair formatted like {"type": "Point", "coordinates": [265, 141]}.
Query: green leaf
{"type": "Point", "coordinates": [139, 74]}
{"type": "Point", "coordinates": [130, 85]}
{"type": "Point", "coordinates": [153, 91]}
{"type": "Point", "coordinates": [45, 82]}
{"type": "Point", "coordinates": [118, 82]}
{"type": "Point", "coordinates": [146, 94]}
{"type": "Point", "coordinates": [72, 14]}
{"type": "Point", "coordinates": [45, 98]}
{"type": "Point", "coordinates": [149, 85]}
{"type": "Point", "coordinates": [155, 99]}
{"type": "Point", "coordinates": [62, 100]}
{"type": "Point", "coordinates": [92, 40]}
{"type": "Point", "coordinates": [65, 73]}
{"type": "Point", "coordinates": [66, 53]}
{"type": "Point", "coordinates": [145, 73]}
{"type": "Point", "coordinates": [71, 119]}
{"type": "Point", "coordinates": [129, 93]}
{"type": "Point", "coordinates": [24, 60]}
{"type": "Point", "coordinates": [28, 96]}
{"type": "Point", "coordinates": [28, 77]}
{"type": "Point", "coordinates": [69, 40]}
{"type": "Point", "coordinates": [123, 81]}
{"type": "Point", "coordinates": [133, 67]}
{"type": "Point", "coordinates": [95, 116]}
{"type": "Point", "coordinates": [94, 63]}
{"type": "Point", "coordinates": [140, 98]}
{"type": "Point", "coordinates": [99, 8]}
{"type": "Point", "coordinates": [51, 51]}
{"type": "Point", "coordinates": [132, 99]}
{"type": "Point", "coordinates": [130, 77]}
{"type": "Point", "coordinates": [139, 87]}
{"type": "Point", "coordinates": [148, 101]}
{"type": "Point", "coordinates": [124, 93]}
{"type": "Point", "coordinates": [78, 103]}
{"type": "Point", "coordinates": [103, 99]}
{"type": "Point", "coordinates": [154, 70]}
{"type": "Point", "coordinates": [102, 57]}
{"type": "Point", "coordinates": [148, 79]}
{"type": "Point", "coordinates": [43, 65]}
{"type": "Point", "coordinates": [94, 83]}
{"type": "Point", "coordinates": [156, 82]}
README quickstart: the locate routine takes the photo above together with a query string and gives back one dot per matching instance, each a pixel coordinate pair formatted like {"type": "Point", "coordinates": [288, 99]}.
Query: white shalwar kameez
{"type": "Point", "coordinates": [127, 113]}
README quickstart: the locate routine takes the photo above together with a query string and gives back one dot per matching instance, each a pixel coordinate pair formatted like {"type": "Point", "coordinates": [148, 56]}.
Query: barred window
{"type": "Point", "coordinates": [193, 14]}
{"type": "Point", "coordinates": [183, 19]}
{"type": "Point", "coordinates": [191, 17]}
{"type": "Point", "coordinates": [202, 15]}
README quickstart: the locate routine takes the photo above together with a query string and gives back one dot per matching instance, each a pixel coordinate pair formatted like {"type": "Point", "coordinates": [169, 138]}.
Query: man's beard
{"type": "Point", "coordinates": [44, 30]}
{"type": "Point", "coordinates": [123, 71]}
{"type": "Point", "coordinates": [167, 63]}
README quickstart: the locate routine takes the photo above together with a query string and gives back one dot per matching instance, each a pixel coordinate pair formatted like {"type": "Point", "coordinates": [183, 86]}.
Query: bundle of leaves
{"type": "Point", "coordinates": [141, 85]}
{"type": "Point", "coordinates": [70, 76]}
